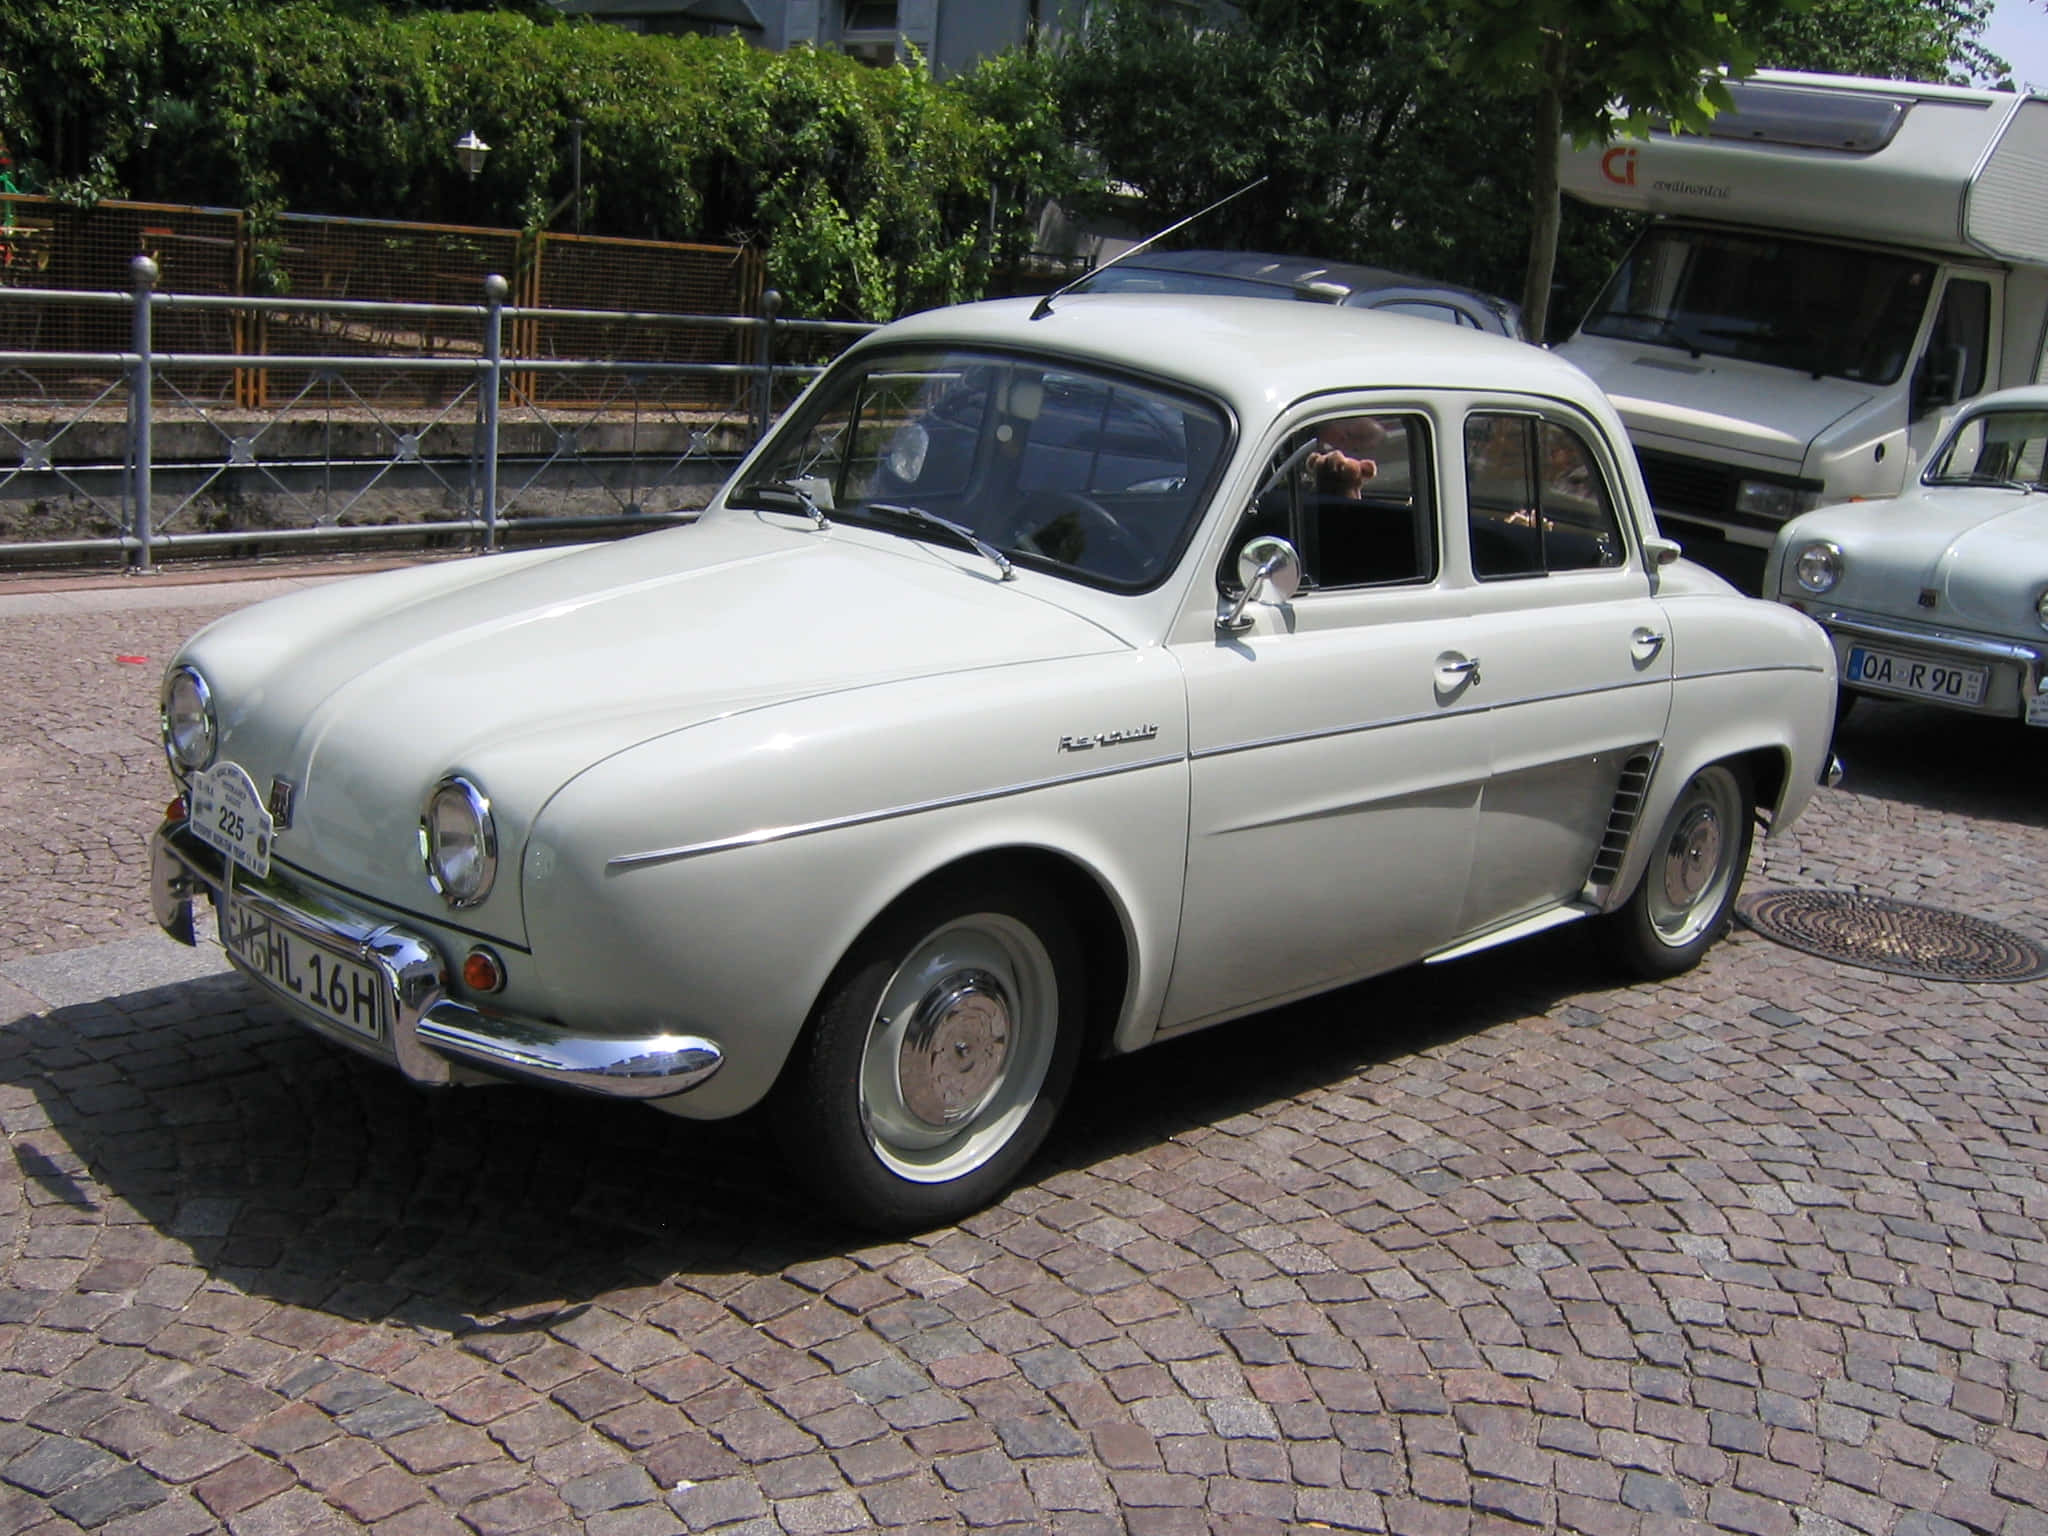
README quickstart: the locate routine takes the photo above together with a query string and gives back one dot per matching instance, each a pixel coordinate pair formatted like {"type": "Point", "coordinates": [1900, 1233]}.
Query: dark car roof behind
{"type": "Point", "coordinates": [1254, 273]}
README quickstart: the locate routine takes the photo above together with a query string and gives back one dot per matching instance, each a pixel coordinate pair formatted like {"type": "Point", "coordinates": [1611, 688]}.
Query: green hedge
{"type": "Point", "coordinates": [870, 191]}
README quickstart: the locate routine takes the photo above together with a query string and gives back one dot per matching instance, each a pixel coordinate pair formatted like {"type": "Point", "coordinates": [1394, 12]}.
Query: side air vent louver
{"type": "Point", "coordinates": [1621, 824]}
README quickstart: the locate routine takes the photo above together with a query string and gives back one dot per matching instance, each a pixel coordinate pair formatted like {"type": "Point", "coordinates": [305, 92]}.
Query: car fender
{"type": "Point", "coordinates": [675, 887]}
{"type": "Point", "coordinates": [1749, 678]}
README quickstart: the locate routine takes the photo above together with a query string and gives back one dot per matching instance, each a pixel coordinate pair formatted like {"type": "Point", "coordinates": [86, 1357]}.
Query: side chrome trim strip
{"type": "Point", "coordinates": [1327, 732]}
{"type": "Point", "coordinates": [1694, 677]}
{"type": "Point", "coordinates": [762, 835]}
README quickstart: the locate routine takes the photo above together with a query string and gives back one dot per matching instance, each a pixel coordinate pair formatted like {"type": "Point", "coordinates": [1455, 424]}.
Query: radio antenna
{"type": "Point", "coordinates": [1045, 304]}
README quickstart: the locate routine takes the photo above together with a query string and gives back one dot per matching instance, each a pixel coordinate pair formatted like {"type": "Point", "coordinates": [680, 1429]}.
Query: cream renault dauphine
{"type": "Point", "coordinates": [1940, 593]}
{"type": "Point", "coordinates": [1052, 680]}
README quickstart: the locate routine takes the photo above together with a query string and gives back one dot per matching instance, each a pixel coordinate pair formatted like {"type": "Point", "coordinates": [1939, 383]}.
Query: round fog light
{"type": "Point", "coordinates": [482, 971]}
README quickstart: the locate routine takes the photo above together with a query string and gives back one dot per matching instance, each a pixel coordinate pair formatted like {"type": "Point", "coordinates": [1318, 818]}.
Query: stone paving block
{"type": "Point", "coordinates": [126, 1490]}
{"type": "Point", "coordinates": [1758, 1249]}
{"type": "Point", "coordinates": [241, 1485]}
{"type": "Point", "coordinates": [53, 1465]}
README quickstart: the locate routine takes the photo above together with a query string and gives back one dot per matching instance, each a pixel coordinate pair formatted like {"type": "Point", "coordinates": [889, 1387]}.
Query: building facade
{"type": "Point", "coordinates": [950, 34]}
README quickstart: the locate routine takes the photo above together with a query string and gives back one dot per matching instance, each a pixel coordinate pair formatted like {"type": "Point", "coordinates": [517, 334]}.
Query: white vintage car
{"type": "Point", "coordinates": [1048, 683]}
{"type": "Point", "coordinates": [1939, 593]}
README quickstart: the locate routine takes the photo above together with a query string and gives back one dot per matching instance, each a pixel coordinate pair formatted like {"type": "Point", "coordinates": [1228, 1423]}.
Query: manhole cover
{"type": "Point", "coordinates": [1880, 934]}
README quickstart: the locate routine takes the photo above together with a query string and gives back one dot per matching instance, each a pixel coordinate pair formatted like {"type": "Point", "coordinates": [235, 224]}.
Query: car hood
{"type": "Point", "coordinates": [1673, 401]}
{"type": "Point", "coordinates": [524, 671]}
{"type": "Point", "coordinates": [1981, 552]}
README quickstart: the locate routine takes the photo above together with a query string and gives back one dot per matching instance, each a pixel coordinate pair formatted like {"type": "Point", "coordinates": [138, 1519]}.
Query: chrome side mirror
{"type": "Point", "coordinates": [1269, 570]}
{"type": "Point", "coordinates": [1662, 551]}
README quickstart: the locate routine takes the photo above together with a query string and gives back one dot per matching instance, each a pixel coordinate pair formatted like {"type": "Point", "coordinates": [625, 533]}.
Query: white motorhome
{"type": "Point", "coordinates": [1830, 269]}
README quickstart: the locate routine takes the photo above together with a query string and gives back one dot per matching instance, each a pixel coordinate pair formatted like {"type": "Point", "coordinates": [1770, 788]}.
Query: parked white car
{"type": "Point", "coordinates": [1939, 593]}
{"type": "Point", "coordinates": [1048, 683]}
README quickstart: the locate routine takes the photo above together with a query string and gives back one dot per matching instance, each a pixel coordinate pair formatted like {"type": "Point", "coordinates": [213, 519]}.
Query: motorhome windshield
{"type": "Point", "coordinates": [1799, 304]}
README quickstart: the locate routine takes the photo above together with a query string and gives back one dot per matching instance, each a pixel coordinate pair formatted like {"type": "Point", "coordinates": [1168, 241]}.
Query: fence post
{"type": "Point", "coordinates": [495, 291]}
{"type": "Point", "coordinates": [764, 381]}
{"type": "Point", "coordinates": [144, 273]}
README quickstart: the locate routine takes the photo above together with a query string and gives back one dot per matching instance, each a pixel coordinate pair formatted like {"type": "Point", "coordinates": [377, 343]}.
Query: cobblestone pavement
{"type": "Point", "coordinates": [1497, 1247]}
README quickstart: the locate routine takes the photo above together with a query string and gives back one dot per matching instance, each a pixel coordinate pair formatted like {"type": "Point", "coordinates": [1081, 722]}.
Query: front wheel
{"type": "Point", "coordinates": [1684, 900]}
{"type": "Point", "coordinates": [938, 1056]}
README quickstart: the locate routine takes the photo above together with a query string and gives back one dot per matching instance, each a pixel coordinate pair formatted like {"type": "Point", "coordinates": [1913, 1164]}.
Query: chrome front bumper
{"type": "Point", "coordinates": [2028, 663]}
{"type": "Point", "coordinates": [427, 1034]}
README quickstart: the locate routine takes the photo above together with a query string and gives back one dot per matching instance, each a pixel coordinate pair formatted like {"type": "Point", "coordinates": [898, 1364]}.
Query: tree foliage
{"type": "Point", "coordinates": [1423, 136]}
{"type": "Point", "coordinates": [1591, 69]}
{"type": "Point", "coordinates": [1374, 149]}
{"type": "Point", "coordinates": [1937, 41]}
{"type": "Point", "coordinates": [1404, 135]}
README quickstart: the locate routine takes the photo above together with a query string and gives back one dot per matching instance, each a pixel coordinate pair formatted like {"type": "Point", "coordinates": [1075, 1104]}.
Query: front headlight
{"type": "Point", "coordinates": [458, 842]}
{"type": "Point", "coordinates": [2041, 608]}
{"type": "Point", "coordinates": [1779, 503]}
{"type": "Point", "coordinates": [187, 722]}
{"type": "Point", "coordinates": [1817, 567]}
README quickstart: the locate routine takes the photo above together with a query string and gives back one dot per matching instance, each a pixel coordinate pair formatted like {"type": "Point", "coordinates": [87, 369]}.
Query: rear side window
{"type": "Point", "coordinates": [1537, 502]}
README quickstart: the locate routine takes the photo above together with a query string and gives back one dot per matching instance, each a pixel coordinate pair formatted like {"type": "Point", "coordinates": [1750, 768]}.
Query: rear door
{"type": "Point", "coordinates": [1574, 655]}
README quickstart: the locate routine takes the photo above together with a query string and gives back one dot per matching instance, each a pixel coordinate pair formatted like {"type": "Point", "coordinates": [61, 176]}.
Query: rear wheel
{"type": "Point", "coordinates": [1687, 894]}
{"type": "Point", "coordinates": [938, 1056]}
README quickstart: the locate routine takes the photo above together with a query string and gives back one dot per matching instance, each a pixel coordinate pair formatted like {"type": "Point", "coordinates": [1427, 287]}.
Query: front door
{"type": "Point", "coordinates": [1338, 757]}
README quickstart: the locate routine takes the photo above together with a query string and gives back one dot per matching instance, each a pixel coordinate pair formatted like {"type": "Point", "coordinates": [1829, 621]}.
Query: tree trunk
{"type": "Point", "coordinates": [1543, 194]}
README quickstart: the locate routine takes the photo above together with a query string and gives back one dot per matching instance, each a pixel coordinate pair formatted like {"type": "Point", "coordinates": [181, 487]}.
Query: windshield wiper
{"type": "Point", "coordinates": [777, 496]}
{"type": "Point", "coordinates": [931, 522]}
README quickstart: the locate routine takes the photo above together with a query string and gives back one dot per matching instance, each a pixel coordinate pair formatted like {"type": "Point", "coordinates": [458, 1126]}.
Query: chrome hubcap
{"type": "Point", "coordinates": [1687, 889]}
{"type": "Point", "coordinates": [1693, 856]}
{"type": "Point", "coordinates": [954, 1049]}
{"type": "Point", "coordinates": [959, 1047]}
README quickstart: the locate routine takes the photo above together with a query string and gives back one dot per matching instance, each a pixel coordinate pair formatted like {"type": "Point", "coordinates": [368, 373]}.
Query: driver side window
{"type": "Point", "coordinates": [1355, 497]}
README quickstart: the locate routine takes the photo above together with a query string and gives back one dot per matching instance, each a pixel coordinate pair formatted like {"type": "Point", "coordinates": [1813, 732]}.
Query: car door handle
{"type": "Point", "coordinates": [1645, 643]}
{"type": "Point", "coordinates": [1453, 670]}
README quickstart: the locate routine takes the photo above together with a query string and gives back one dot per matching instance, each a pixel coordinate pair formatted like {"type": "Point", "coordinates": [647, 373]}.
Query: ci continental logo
{"type": "Point", "coordinates": [1618, 165]}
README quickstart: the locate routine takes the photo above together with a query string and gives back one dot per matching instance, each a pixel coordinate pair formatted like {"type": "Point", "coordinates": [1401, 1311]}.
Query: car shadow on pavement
{"type": "Point", "coordinates": [1944, 760]}
{"type": "Point", "coordinates": [1323, 1042]}
{"type": "Point", "coordinates": [196, 1120]}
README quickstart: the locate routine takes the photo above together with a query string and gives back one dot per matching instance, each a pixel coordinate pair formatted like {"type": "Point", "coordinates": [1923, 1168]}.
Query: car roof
{"type": "Point", "coordinates": [1257, 355]}
{"type": "Point", "coordinates": [1299, 277]}
{"type": "Point", "coordinates": [2034, 396]}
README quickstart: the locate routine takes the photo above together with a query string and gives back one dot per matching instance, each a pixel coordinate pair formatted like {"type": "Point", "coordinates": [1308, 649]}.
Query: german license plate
{"type": "Point", "coordinates": [1894, 673]}
{"type": "Point", "coordinates": [229, 817]}
{"type": "Point", "coordinates": [336, 987]}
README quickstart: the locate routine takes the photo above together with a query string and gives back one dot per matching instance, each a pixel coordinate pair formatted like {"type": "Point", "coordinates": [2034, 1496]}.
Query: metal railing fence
{"type": "Point", "coordinates": [200, 466]}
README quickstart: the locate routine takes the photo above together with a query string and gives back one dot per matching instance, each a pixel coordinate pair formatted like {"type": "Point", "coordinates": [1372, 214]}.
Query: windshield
{"type": "Point", "coordinates": [1061, 466]}
{"type": "Point", "coordinates": [1800, 304]}
{"type": "Point", "coordinates": [2007, 447]}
